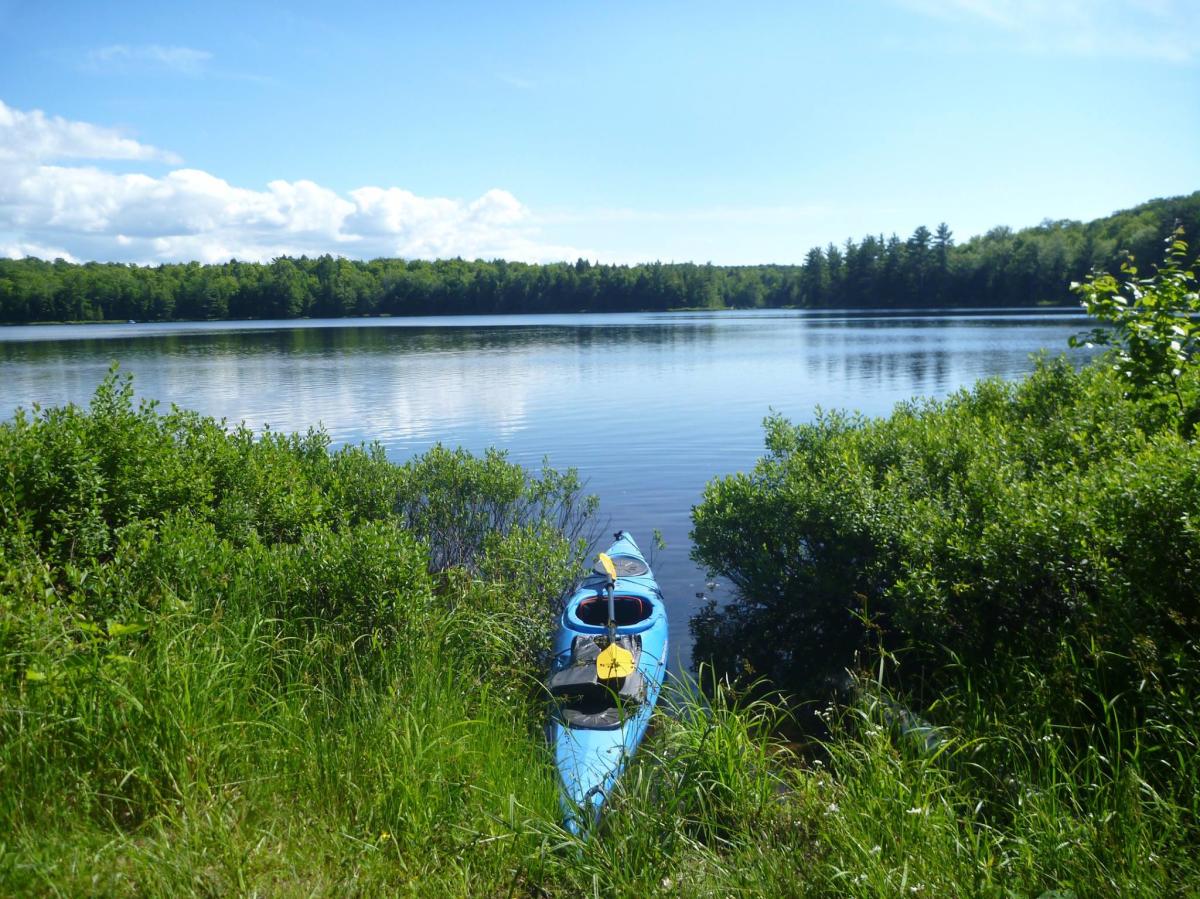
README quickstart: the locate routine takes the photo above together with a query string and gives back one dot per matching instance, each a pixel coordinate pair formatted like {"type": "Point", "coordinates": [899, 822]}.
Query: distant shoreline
{"type": "Point", "coordinates": [1029, 269]}
{"type": "Point", "coordinates": [1048, 308]}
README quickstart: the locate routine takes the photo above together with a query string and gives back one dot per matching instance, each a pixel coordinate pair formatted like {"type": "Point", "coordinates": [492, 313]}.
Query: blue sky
{"type": "Point", "coordinates": [732, 133]}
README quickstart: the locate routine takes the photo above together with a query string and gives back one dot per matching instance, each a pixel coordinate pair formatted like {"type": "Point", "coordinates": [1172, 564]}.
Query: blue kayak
{"type": "Point", "coordinates": [596, 724]}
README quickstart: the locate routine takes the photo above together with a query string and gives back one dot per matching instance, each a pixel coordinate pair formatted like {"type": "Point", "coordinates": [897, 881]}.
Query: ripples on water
{"type": "Point", "coordinates": [648, 406]}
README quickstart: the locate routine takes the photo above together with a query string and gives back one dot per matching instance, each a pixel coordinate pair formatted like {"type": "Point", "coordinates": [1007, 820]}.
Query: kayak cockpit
{"type": "Point", "coordinates": [583, 699]}
{"type": "Point", "coordinates": [627, 609]}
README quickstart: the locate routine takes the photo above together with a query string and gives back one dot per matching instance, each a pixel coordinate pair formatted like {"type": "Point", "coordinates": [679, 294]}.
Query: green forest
{"type": "Point", "coordinates": [1003, 267]}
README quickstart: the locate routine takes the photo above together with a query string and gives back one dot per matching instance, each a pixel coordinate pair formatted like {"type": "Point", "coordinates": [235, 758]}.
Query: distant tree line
{"type": "Point", "coordinates": [928, 269]}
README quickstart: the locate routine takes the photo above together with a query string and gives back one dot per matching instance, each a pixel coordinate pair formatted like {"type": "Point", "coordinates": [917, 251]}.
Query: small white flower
{"type": "Point", "coordinates": [833, 808]}
{"type": "Point", "coordinates": [875, 850]}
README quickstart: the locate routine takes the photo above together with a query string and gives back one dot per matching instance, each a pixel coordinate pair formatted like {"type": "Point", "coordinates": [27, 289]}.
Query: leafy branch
{"type": "Point", "coordinates": [1151, 321]}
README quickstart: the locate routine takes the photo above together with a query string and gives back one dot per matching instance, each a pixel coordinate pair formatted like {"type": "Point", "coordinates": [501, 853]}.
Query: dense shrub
{"type": "Point", "coordinates": [993, 525]}
{"type": "Point", "coordinates": [83, 488]}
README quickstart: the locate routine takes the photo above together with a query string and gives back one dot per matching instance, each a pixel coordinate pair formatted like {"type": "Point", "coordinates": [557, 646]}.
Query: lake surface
{"type": "Point", "coordinates": [648, 407]}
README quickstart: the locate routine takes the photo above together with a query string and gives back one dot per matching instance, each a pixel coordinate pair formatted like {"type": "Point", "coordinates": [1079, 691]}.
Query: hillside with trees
{"type": "Point", "coordinates": [929, 269]}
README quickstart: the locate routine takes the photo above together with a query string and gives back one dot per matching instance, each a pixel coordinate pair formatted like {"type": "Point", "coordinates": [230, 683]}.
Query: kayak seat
{"type": "Point", "coordinates": [571, 684]}
{"type": "Point", "coordinates": [627, 609]}
{"type": "Point", "coordinates": [597, 717]}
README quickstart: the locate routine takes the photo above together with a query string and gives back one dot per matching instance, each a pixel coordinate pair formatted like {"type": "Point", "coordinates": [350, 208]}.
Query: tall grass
{"type": "Point", "coordinates": [1001, 810]}
{"type": "Point", "coordinates": [225, 758]}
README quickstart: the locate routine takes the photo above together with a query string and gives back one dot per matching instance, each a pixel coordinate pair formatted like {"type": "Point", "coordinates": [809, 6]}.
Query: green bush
{"type": "Point", "coordinates": [993, 525]}
{"type": "Point", "coordinates": [482, 515]}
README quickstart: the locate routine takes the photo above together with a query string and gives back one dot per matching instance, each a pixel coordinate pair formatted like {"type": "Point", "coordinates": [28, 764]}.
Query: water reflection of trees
{"type": "Point", "coordinates": [342, 340]}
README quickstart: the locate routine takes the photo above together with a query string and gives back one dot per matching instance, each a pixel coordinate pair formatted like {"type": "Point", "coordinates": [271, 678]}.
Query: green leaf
{"type": "Point", "coordinates": [117, 629]}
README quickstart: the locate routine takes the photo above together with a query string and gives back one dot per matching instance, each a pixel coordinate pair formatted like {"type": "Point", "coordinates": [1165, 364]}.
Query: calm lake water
{"type": "Point", "coordinates": [648, 407]}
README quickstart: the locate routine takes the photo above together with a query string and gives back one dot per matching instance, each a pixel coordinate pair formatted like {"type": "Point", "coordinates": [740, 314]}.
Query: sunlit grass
{"type": "Point", "coordinates": [225, 759]}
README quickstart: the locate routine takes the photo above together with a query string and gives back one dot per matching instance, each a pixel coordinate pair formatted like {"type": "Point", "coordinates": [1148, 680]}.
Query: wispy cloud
{"type": "Point", "coordinates": [1162, 30]}
{"type": "Point", "coordinates": [89, 212]}
{"type": "Point", "coordinates": [141, 57]}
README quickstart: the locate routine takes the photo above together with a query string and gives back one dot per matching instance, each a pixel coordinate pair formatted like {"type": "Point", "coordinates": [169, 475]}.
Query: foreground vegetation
{"type": "Point", "coordinates": [1001, 268]}
{"type": "Point", "coordinates": [239, 664]}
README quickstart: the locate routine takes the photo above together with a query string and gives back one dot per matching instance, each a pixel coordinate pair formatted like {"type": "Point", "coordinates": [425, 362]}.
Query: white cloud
{"type": "Point", "coordinates": [27, 137]}
{"type": "Point", "coordinates": [1162, 30]}
{"type": "Point", "coordinates": [123, 58]}
{"type": "Point", "coordinates": [20, 249]}
{"type": "Point", "coordinates": [94, 213]}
